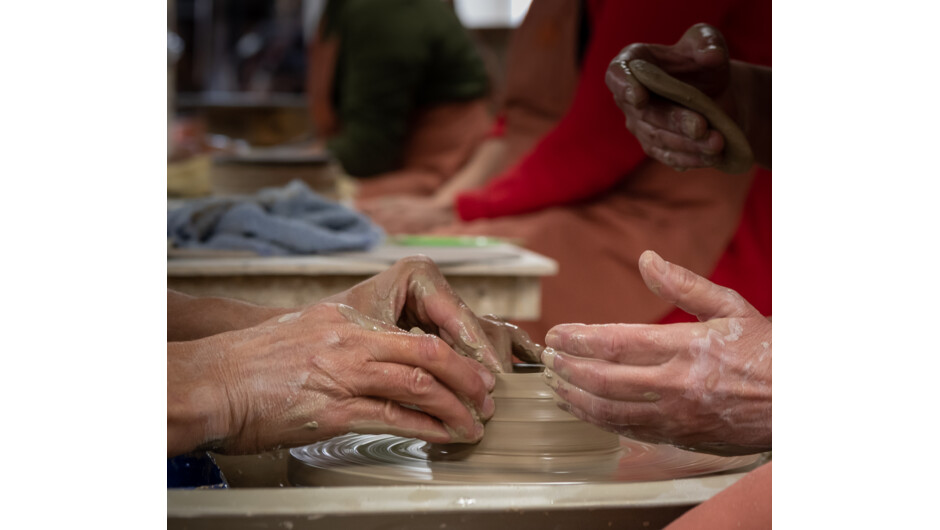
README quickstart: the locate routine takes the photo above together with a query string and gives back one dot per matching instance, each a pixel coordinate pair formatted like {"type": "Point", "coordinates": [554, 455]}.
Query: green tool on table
{"type": "Point", "coordinates": [447, 241]}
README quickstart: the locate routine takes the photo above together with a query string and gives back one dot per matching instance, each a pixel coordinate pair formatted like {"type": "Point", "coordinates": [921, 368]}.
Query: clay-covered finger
{"type": "Point", "coordinates": [433, 301]}
{"type": "Point", "coordinates": [626, 344]}
{"type": "Point", "coordinates": [737, 157]}
{"type": "Point", "coordinates": [464, 377]}
{"type": "Point", "coordinates": [677, 150]}
{"type": "Point", "coordinates": [416, 386]}
{"type": "Point", "coordinates": [681, 160]}
{"type": "Point", "coordinates": [602, 411]}
{"type": "Point", "coordinates": [668, 116]}
{"type": "Point", "coordinates": [620, 80]}
{"type": "Point", "coordinates": [381, 416]}
{"type": "Point", "coordinates": [691, 292]}
{"type": "Point", "coordinates": [509, 339]}
{"type": "Point", "coordinates": [602, 378]}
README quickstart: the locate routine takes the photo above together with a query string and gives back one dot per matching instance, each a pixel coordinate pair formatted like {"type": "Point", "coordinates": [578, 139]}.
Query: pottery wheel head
{"type": "Point", "coordinates": [528, 440]}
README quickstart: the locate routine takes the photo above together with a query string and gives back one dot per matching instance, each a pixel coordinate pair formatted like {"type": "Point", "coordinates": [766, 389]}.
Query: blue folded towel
{"type": "Point", "coordinates": [273, 222]}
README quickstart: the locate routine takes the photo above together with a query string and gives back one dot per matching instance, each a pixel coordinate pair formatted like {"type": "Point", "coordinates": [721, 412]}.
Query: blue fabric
{"type": "Point", "coordinates": [275, 221]}
{"type": "Point", "coordinates": [195, 470]}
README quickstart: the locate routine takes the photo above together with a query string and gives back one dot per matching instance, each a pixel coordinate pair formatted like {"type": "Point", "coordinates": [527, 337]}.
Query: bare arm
{"type": "Point", "coordinates": [191, 318]}
{"type": "Point", "coordinates": [344, 364]}
{"type": "Point", "coordinates": [487, 158]}
{"type": "Point", "coordinates": [407, 214]}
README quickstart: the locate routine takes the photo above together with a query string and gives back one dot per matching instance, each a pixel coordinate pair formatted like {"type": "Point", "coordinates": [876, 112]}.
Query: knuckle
{"type": "Point", "coordinates": [667, 157]}
{"type": "Point", "coordinates": [390, 413]}
{"type": "Point", "coordinates": [685, 281]}
{"type": "Point", "coordinates": [643, 340]}
{"type": "Point", "coordinates": [431, 350]}
{"type": "Point", "coordinates": [420, 381]}
{"type": "Point", "coordinates": [632, 51]}
{"type": "Point", "coordinates": [419, 262]}
{"type": "Point", "coordinates": [595, 382]}
{"type": "Point", "coordinates": [676, 117]}
{"type": "Point", "coordinates": [611, 344]}
{"type": "Point", "coordinates": [734, 297]}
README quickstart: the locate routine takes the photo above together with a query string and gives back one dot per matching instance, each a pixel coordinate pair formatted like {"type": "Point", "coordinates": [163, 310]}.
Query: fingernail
{"type": "Point", "coordinates": [553, 335]}
{"type": "Point", "coordinates": [489, 380]}
{"type": "Point", "coordinates": [489, 407]}
{"type": "Point", "coordinates": [657, 262]}
{"type": "Point", "coordinates": [550, 379]}
{"type": "Point", "coordinates": [548, 357]}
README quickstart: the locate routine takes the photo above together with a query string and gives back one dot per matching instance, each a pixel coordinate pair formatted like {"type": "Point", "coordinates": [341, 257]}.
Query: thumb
{"type": "Point", "coordinates": [690, 292]}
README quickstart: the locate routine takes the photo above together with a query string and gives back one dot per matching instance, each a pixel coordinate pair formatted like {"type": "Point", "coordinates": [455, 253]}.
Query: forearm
{"type": "Point", "coordinates": [753, 86]}
{"type": "Point", "coordinates": [477, 171]}
{"type": "Point", "coordinates": [196, 411]}
{"type": "Point", "coordinates": [190, 318]}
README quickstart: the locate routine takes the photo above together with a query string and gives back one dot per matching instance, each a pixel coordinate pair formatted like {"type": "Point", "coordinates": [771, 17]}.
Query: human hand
{"type": "Point", "coordinates": [317, 373]}
{"type": "Point", "coordinates": [405, 214]}
{"type": "Point", "coordinates": [510, 340]}
{"type": "Point", "coordinates": [671, 133]}
{"type": "Point", "coordinates": [705, 386]}
{"type": "Point", "coordinates": [413, 293]}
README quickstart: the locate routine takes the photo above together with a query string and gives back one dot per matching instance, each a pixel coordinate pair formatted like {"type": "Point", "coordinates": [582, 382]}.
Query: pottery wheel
{"type": "Point", "coordinates": [528, 440]}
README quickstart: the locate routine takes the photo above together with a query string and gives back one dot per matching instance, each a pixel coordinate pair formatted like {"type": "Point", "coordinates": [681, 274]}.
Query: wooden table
{"type": "Point", "coordinates": [503, 279]}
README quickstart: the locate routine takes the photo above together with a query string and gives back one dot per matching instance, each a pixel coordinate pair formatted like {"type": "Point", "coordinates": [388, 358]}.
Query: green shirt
{"type": "Point", "coordinates": [395, 57]}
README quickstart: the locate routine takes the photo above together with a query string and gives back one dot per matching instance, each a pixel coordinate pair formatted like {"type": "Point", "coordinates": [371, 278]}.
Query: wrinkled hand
{"type": "Point", "coordinates": [670, 133]}
{"type": "Point", "coordinates": [408, 215]}
{"type": "Point", "coordinates": [345, 364]}
{"type": "Point", "coordinates": [705, 386]}
{"type": "Point", "coordinates": [413, 293]}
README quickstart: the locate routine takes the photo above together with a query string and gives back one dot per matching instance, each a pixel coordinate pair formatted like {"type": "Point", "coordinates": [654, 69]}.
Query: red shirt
{"type": "Point", "coordinates": [590, 149]}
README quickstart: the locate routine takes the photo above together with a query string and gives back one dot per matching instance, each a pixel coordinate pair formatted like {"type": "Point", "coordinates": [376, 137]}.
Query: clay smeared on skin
{"type": "Point", "coordinates": [509, 340]}
{"type": "Point", "coordinates": [738, 156]}
{"type": "Point", "coordinates": [288, 317]}
{"type": "Point", "coordinates": [705, 373]}
{"type": "Point", "coordinates": [458, 436]}
{"type": "Point", "coordinates": [361, 320]}
{"type": "Point", "coordinates": [366, 322]}
{"type": "Point", "coordinates": [465, 342]}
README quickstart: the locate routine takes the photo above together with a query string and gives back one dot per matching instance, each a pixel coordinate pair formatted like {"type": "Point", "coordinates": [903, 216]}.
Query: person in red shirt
{"type": "Point", "coordinates": [704, 385]}
{"type": "Point", "coordinates": [587, 195]}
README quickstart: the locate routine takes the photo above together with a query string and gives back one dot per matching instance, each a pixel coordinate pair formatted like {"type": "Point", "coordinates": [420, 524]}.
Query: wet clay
{"type": "Point", "coordinates": [528, 440]}
{"type": "Point", "coordinates": [738, 156]}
